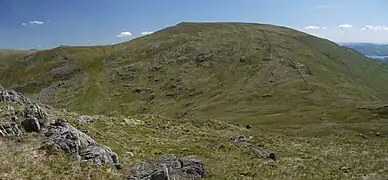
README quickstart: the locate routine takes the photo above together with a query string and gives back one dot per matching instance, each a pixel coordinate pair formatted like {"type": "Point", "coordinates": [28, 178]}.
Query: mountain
{"type": "Point", "coordinates": [369, 48]}
{"type": "Point", "coordinates": [309, 99]}
{"type": "Point", "coordinates": [233, 71]}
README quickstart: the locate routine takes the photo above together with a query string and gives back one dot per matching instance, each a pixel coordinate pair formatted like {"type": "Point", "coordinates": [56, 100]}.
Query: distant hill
{"type": "Point", "coordinates": [369, 49]}
{"type": "Point", "coordinates": [5, 53]}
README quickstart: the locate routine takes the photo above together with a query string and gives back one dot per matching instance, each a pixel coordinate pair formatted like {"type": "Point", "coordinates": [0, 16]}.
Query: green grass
{"type": "Point", "coordinates": [344, 155]}
{"type": "Point", "coordinates": [339, 155]}
{"type": "Point", "coordinates": [206, 81]}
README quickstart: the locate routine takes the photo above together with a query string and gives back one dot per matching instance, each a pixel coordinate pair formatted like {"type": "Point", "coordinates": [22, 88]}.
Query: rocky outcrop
{"type": "Point", "coordinates": [57, 135]}
{"type": "Point", "coordinates": [63, 136]}
{"type": "Point", "coordinates": [15, 123]}
{"type": "Point", "coordinates": [259, 149]}
{"type": "Point", "coordinates": [13, 96]}
{"type": "Point", "coordinates": [168, 167]}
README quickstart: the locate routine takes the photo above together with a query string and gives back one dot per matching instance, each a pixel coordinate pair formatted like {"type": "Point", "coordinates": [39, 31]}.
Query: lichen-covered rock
{"type": "Point", "coordinates": [10, 129]}
{"type": "Point", "coordinates": [33, 110]}
{"type": "Point", "coordinates": [258, 149]}
{"type": "Point", "coordinates": [168, 167]}
{"type": "Point", "coordinates": [63, 136]}
{"type": "Point", "coordinates": [13, 96]}
{"type": "Point", "coordinates": [59, 135]}
{"type": "Point", "coordinates": [84, 119]}
{"type": "Point", "coordinates": [15, 122]}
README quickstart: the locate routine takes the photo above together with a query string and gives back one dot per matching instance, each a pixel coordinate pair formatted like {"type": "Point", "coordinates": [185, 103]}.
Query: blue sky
{"type": "Point", "coordinates": [41, 24]}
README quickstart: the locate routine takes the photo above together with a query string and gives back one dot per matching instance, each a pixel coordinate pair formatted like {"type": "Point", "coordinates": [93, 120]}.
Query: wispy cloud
{"type": "Point", "coordinates": [36, 22]}
{"type": "Point", "coordinates": [24, 24]}
{"type": "Point", "coordinates": [315, 27]}
{"type": "Point", "coordinates": [345, 26]}
{"type": "Point", "coordinates": [312, 27]}
{"type": "Point", "coordinates": [146, 33]}
{"type": "Point", "coordinates": [375, 28]}
{"type": "Point", "coordinates": [324, 6]}
{"type": "Point", "coordinates": [124, 34]}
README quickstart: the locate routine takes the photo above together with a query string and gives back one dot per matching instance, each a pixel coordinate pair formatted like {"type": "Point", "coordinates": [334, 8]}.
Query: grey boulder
{"type": "Point", "coordinates": [168, 167]}
{"type": "Point", "coordinates": [12, 96]}
{"type": "Point", "coordinates": [63, 136]}
{"type": "Point", "coordinates": [35, 111]}
{"type": "Point", "coordinates": [31, 124]}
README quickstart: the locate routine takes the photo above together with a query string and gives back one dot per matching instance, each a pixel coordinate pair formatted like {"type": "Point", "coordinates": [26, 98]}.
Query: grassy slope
{"type": "Point", "coordinates": [341, 156]}
{"type": "Point", "coordinates": [229, 71]}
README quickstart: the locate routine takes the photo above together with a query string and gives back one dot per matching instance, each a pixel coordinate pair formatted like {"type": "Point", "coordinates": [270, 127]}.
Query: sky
{"type": "Point", "coordinates": [43, 24]}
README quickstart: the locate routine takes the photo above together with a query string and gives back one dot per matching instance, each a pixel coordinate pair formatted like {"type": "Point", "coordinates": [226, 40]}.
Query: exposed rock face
{"type": "Point", "coordinates": [61, 135]}
{"type": "Point", "coordinates": [168, 167]}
